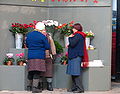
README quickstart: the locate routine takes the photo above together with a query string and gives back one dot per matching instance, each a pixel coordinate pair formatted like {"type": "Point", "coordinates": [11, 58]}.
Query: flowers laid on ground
{"type": "Point", "coordinates": [89, 34]}
{"type": "Point", "coordinates": [21, 59]}
{"type": "Point", "coordinates": [8, 59]}
{"type": "Point", "coordinates": [65, 28]}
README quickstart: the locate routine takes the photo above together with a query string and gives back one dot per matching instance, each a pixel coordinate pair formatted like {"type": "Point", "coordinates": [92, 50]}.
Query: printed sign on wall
{"type": "Point", "coordinates": [94, 1]}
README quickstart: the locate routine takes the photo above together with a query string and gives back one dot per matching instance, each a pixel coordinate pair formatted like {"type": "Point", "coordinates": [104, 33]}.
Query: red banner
{"type": "Point", "coordinates": [94, 1]}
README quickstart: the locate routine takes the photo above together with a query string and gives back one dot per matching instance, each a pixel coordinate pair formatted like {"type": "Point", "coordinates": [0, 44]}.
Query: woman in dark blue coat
{"type": "Point", "coordinates": [75, 54]}
{"type": "Point", "coordinates": [37, 43]}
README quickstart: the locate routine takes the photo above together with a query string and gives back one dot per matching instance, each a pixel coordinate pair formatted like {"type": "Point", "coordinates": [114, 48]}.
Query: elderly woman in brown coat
{"type": "Point", "coordinates": [50, 56]}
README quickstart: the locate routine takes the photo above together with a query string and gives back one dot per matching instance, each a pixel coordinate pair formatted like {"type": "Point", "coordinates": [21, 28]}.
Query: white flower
{"type": "Point", "coordinates": [44, 21]}
{"type": "Point", "coordinates": [9, 55]}
{"type": "Point", "coordinates": [24, 64]}
{"type": "Point", "coordinates": [50, 22]}
{"type": "Point", "coordinates": [56, 23]}
{"type": "Point", "coordinates": [60, 25]}
{"type": "Point", "coordinates": [91, 32]}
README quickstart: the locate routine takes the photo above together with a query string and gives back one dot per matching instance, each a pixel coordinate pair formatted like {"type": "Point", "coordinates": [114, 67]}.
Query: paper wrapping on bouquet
{"type": "Point", "coordinates": [87, 42]}
{"type": "Point", "coordinates": [18, 40]}
{"type": "Point", "coordinates": [66, 43]}
{"type": "Point", "coordinates": [94, 63]}
{"type": "Point", "coordinates": [84, 64]}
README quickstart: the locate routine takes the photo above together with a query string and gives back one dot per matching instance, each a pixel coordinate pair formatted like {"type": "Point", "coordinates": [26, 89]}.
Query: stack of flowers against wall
{"type": "Point", "coordinates": [21, 59]}
{"type": "Point", "coordinates": [11, 60]}
{"type": "Point", "coordinates": [89, 38]}
{"type": "Point", "coordinates": [19, 30]}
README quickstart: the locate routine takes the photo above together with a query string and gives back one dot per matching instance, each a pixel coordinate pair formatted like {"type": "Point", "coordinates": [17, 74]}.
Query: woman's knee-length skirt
{"type": "Point", "coordinates": [36, 65]}
{"type": "Point", "coordinates": [74, 66]}
{"type": "Point", "coordinates": [49, 68]}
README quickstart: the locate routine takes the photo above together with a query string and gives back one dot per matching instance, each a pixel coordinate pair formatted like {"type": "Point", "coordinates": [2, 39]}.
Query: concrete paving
{"type": "Point", "coordinates": [115, 89]}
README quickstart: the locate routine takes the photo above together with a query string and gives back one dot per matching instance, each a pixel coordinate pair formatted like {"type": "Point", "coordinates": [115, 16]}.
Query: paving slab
{"type": "Point", "coordinates": [115, 89]}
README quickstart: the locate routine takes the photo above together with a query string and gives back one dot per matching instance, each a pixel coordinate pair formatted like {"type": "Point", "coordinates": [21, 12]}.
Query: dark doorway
{"type": "Point", "coordinates": [115, 65]}
{"type": "Point", "coordinates": [118, 42]}
{"type": "Point", "coordinates": [113, 60]}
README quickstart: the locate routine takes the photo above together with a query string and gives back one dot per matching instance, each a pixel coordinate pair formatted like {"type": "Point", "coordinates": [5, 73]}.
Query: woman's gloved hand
{"type": "Point", "coordinates": [54, 57]}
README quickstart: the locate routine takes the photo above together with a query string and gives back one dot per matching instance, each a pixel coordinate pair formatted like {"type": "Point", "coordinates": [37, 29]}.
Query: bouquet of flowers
{"type": "Point", "coordinates": [9, 59]}
{"type": "Point", "coordinates": [21, 59]}
{"type": "Point", "coordinates": [59, 48]}
{"type": "Point", "coordinates": [18, 28]}
{"type": "Point", "coordinates": [64, 59]}
{"type": "Point", "coordinates": [89, 34]}
{"type": "Point", "coordinates": [50, 26]}
{"type": "Point", "coordinates": [66, 29]}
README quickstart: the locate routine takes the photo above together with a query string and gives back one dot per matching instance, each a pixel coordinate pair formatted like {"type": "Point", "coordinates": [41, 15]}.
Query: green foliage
{"type": "Point", "coordinates": [50, 29]}
{"type": "Point", "coordinates": [66, 29]}
{"type": "Point", "coordinates": [64, 58]}
{"type": "Point", "coordinates": [59, 48]}
{"type": "Point", "coordinates": [21, 59]}
{"type": "Point", "coordinates": [8, 59]}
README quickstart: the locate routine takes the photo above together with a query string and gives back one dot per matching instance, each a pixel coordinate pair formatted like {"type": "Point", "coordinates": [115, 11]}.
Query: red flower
{"type": "Point", "coordinates": [59, 27]}
{"type": "Point", "coordinates": [18, 28]}
{"type": "Point", "coordinates": [66, 54]}
{"type": "Point", "coordinates": [35, 22]}
{"type": "Point", "coordinates": [64, 24]}
{"type": "Point", "coordinates": [72, 22]}
{"type": "Point", "coordinates": [70, 25]}
{"type": "Point", "coordinates": [66, 29]}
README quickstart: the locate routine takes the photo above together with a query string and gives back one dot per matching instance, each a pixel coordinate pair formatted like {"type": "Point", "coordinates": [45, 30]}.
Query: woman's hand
{"type": "Point", "coordinates": [71, 35]}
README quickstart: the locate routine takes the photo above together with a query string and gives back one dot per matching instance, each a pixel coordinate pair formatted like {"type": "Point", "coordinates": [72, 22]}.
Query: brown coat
{"type": "Point", "coordinates": [48, 60]}
{"type": "Point", "coordinates": [52, 51]}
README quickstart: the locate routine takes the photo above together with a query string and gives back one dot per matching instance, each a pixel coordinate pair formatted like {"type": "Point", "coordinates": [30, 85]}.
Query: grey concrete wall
{"type": "Point", "coordinates": [95, 17]}
{"type": "Point", "coordinates": [92, 19]}
{"type": "Point", "coordinates": [12, 78]}
{"type": "Point", "coordinates": [98, 19]}
{"type": "Point", "coordinates": [13, 14]}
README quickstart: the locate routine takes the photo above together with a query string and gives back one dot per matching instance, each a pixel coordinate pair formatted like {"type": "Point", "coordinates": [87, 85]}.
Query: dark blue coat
{"type": "Point", "coordinates": [76, 46]}
{"type": "Point", "coordinates": [37, 43]}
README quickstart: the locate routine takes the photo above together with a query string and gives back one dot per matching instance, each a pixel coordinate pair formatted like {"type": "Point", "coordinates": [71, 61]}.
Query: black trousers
{"type": "Point", "coordinates": [32, 73]}
{"type": "Point", "coordinates": [77, 83]}
{"type": "Point", "coordinates": [33, 78]}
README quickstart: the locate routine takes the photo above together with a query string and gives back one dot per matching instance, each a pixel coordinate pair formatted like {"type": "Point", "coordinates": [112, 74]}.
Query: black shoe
{"type": "Point", "coordinates": [40, 85]}
{"type": "Point", "coordinates": [49, 87]}
{"type": "Point", "coordinates": [36, 90]}
{"type": "Point", "coordinates": [78, 91]}
{"type": "Point", "coordinates": [71, 89]}
{"type": "Point", "coordinates": [29, 88]}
